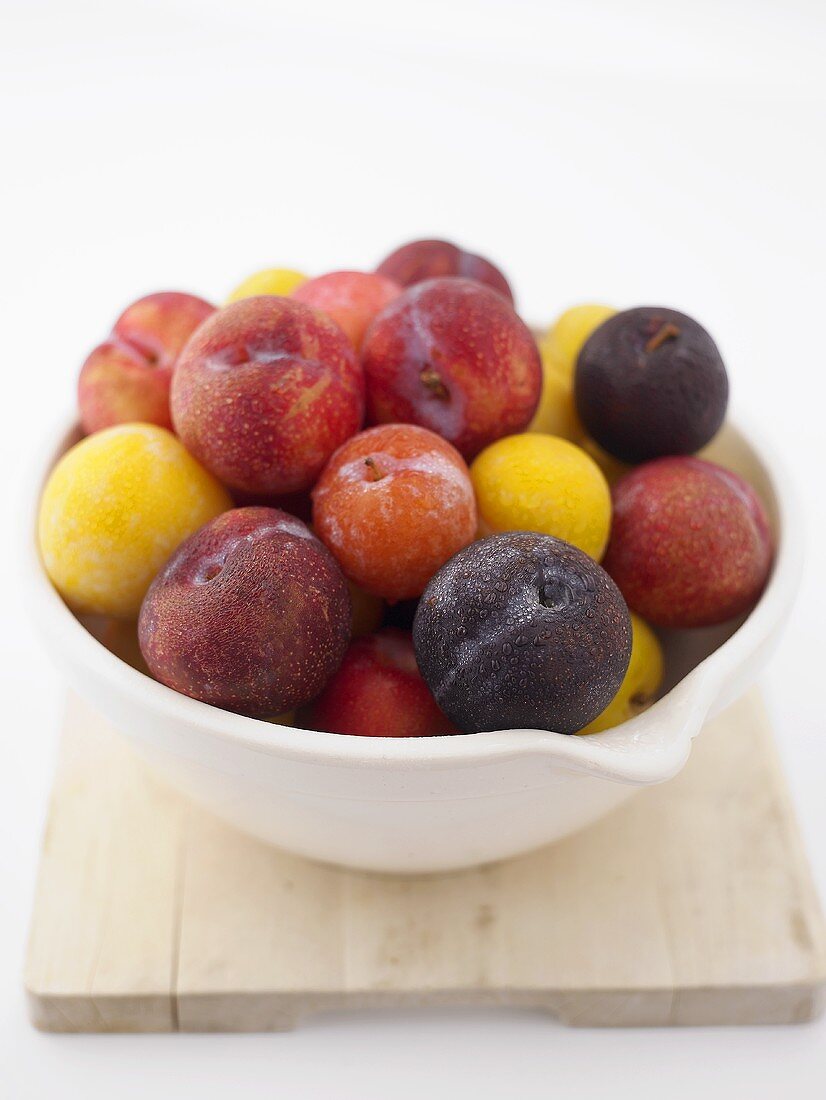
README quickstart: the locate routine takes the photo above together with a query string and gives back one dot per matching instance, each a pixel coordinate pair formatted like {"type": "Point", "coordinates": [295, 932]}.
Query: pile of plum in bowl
{"type": "Point", "coordinates": [385, 577]}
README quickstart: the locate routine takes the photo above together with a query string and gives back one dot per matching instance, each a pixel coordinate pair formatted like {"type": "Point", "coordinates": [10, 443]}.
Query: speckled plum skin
{"type": "Point", "coordinates": [127, 378]}
{"type": "Point", "coordinates": [264, 393]}
{"type": "Point", "coordinates": [650, 382]}
{"type": "Point", "coordinates": [522, 631]}
{"type": "Point", "coordinates": [378, 692]}
{"type": "Point", "coordinates": [250, 614]}
{"type": "Point", "coordinates": [452, 356]}
{"type": "Point", "coordinates": [351, 298]}
{"type": "Point", "coordinates": [690, 544]}
{"type": "Point", "coordinates": [420, 260]}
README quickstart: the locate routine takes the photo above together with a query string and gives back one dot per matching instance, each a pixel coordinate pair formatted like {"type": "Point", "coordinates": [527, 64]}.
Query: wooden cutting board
{"type": "Point", "coordinates": [692, 904]}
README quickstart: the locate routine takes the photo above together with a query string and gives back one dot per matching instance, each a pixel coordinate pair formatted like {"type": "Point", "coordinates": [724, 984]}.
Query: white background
{"type": "Point", "coordinates": [629, 152]}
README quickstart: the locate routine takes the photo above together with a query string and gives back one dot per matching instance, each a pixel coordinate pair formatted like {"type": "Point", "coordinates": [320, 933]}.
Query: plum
{"type": "Point", "coordinates": [650, 382]}
{"type": "Point", "coordinates": [114, 508]}
{"type": "Point", "coordinates": [392, 505]}
{"type": "Point", "coordinates": [420, 260]}
{"type": "Point", "coordinates": [378, 692]}
{"type": "Point", "coordinates": [251, 614]}
{"type": "Point", "coordinates": [452, 356]}
{"type": "Point", "coordinates": [264, 392]}
{"type": "Point", "coordinates": [690, 544]}
{"type": "Point", "coordinates": [351, 298]}
{"type": "Point", "coordinates": [522, 630]}
{"type": "Point", "coordinates": [280, 281]}
{"type": "Point", "coordinates": [127, 378]}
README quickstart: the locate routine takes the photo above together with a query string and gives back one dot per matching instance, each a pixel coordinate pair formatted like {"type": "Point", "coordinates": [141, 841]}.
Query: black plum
{"type": "Point", "coordinates": [522, 631]}
{"type": "Point", "coordinates": [650, 382]}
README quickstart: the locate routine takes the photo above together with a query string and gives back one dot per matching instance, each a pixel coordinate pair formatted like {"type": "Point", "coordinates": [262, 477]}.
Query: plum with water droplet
{"type": "Point", "coordinates": [522, 631]}
{"type": "Point", "coordinates": [452, 355]}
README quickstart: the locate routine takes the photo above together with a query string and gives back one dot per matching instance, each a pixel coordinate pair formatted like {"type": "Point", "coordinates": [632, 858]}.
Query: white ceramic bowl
{"type": "Point", "coordinates": [435, 803]}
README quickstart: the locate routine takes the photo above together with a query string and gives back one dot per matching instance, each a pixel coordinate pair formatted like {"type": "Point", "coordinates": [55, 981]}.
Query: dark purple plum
{"type": "Point", "coordinates": [650, 382]}
{"type": "Point", "coordinates": [251, 613]}
{"type": "Point", "coordinates": [522, 631]}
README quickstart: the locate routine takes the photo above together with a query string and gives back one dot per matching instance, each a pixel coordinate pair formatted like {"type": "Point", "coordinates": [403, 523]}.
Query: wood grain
{"type": "Point", "coordinates": [692, 904]}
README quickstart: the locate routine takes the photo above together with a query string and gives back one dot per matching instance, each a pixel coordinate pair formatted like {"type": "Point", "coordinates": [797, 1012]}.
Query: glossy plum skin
{"type": "Point", "coordinates": [522, 631]}
{"type": "Point", "coordinates": [378, 692]}
{"type": "Point", "coordinates": [250, 614]}
{"type": "Point", "coordinates": [264, 393]}
{"type": "Point", "coordinates": [392, 505]}
{"type": "Point", "coordinates": [351, 298]}
{"type": "Point", "coordinates": [420, 260]}
{"type": "Point", "coordinates": [452, 356]}
{"type": "Point", "coordinates": [691, 544]}
{"type": "Point", "coordinates": [650, 382]}
{"type": "Point", "coordinates": [127, 377]}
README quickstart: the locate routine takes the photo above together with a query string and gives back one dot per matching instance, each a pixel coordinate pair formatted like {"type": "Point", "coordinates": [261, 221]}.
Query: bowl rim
{"type": "Point", "coordinates": [645, 749]}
